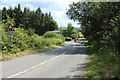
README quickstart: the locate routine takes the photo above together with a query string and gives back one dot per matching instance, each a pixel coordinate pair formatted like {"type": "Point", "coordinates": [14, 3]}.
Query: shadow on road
{"type": "Point", "coordinates": [78, 72]}
{"type": "Point", "coordinates": [72, 49]}
{"type": "Point", "coordinates": [76, 49]}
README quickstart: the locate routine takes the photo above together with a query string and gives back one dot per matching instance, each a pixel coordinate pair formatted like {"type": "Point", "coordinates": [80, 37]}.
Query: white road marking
{"type": "Point", "coordinates": [35, 66]}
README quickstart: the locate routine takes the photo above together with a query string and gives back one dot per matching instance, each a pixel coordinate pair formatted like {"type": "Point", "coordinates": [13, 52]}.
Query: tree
{"type": "Point", "coordinates": [7, 22]}
{"type": "Point", "coordinates": [4, 13]}
{"type": "Point", "coordinates": [40, 22]}
{"type": "Point", "coordinates": [10, 12]}
{"type": "Point", "coordinates": [18, 15]}
{"type": "Point", "coordinates": [26, 17]}
{"type": "Point", "coordinates": [70, 32]}
{"type": "Point", "coordinates": [101, 26]}
{"type": "Point", "coordinates": [95, 18]}
{"type": "Point", "coordinates": [69, 29]}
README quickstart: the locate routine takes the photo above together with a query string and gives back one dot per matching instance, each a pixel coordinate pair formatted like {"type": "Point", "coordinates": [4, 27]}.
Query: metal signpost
{"type": "Point", "coordinates": [10, 30]}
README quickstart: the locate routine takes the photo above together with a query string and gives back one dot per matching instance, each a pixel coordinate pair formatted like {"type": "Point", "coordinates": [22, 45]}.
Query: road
{"type": "Point", "coordinates": [68, 61]}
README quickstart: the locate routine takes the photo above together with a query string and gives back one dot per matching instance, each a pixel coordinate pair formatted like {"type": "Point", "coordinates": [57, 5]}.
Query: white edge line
{"type": "Point", "coordinates": [34, 66]}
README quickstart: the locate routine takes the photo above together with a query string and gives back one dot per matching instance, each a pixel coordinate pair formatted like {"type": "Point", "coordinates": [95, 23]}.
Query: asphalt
{"type": "Point", "coordinates": [68, 61]}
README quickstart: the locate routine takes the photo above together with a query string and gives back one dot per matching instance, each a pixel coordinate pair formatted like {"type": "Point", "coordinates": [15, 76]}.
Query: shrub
{"type": "Point", "coordinates": [23, 40]}
{"type": "Point", "coordinates": [73, 36]}
{"type": "Point", "coordinates": [26, 39]}
{"type": "Point", "coordinates": [20, 41]}
{"type": "Point", "coordinates": [37, 41]}
{"type": "Point", "coordinates": [50, 34]}
{"type": "Point", "coordinates": [52, 38]}
{"type": "Point", "coordinates": [104, 63]}
{"type": "Point", "coordinates": [53, 41]}
{"type": "Point", "coordinates": [68, 39]}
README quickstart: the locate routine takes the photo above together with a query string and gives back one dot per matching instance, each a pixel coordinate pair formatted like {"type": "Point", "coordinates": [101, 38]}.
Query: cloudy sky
{"type": "Point", "coordinates": [58, 8]}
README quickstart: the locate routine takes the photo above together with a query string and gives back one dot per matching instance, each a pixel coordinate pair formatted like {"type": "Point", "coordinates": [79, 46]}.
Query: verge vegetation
{"type": "Point", "coordinates": [25, 42]}
{"type": "Point", "coordinates": [101, 26]}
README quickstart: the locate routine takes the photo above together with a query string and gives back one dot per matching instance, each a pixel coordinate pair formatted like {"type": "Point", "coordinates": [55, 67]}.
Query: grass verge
{"type": "Point", "coordinates": [28, 52]}
{"type": "Point", "coordinates": [103, 63]}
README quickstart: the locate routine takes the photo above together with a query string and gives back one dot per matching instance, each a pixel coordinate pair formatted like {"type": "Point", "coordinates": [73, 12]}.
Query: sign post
{"type": "Point", "coordinates": [10, 30]}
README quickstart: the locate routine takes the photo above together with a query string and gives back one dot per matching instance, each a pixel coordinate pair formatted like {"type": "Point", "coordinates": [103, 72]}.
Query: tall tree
{"type": "Point", "coordinates": [10, 12]}
{"type": "Point", "coordinates": [40, 22]}
{"type": "Point", "coordinates": [69, 29]}
{"type": "Point", "coordinates": [97, 20]}
{"type": "Point", "coordinates": [18, 15]}
{"type": "Point", "coordinates": [4, 13]}
{"type": "Point", "coordinates": [67, 32]}
{"type": "Point", "coordinates": [26, 17]}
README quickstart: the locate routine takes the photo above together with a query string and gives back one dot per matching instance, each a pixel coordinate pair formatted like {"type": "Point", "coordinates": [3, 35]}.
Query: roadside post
{"type": "Point", "coordinates": [10, 30]}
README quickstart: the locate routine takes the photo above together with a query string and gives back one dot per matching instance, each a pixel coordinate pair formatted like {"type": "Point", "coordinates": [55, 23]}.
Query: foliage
{"type": "Point", "coordinates": [37, 20]}
{"type": "Point", "coordinates": [53, 41]}
{"type": "Point", "coordinates": [53, 38]}
{"type": "Point", "coordinates": [103, 63]}
{"type": "Point", "coordinates": [50, 34]}
{"type": "Point", "coordinates": [25, 40]}
{"type": "Point", "coordinates": [70, 32]}
{"type": "Point", "coordinates": [68, 38]}
{"type": "Point", "coordinates": [96, 19]}
{"type": "Point", "coordinates": [73, 36]}
{"type": "Point", "coordinates": [7, 22]}
{"type": "Point", "coordinates": [101, 26]}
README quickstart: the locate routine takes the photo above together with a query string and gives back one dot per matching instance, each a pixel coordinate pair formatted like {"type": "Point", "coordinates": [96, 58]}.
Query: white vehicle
{"type": "Point", "coordinates": [83, 41]}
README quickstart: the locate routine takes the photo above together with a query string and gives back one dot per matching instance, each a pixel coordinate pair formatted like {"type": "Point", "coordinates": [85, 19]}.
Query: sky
{"type": "Point", "coordinates": [58, 8]}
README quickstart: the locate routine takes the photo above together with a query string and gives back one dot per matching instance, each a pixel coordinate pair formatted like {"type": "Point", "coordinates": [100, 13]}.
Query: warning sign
{"type": "Point", "coordinates": [10, 29]}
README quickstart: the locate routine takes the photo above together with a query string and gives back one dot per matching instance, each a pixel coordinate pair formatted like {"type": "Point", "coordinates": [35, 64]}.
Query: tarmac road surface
{"type": "Point", "coordinates": [68, 61]}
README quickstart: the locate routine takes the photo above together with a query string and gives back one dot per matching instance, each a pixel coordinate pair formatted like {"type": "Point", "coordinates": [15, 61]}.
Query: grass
{"type": "Point", "coordinates": [28, 52]}
{"type": "Point", "coordinates": [103, 63]}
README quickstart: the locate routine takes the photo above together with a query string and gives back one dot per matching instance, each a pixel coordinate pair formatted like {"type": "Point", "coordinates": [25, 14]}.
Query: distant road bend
{"type": "Point", "coordinates": [65, 62]}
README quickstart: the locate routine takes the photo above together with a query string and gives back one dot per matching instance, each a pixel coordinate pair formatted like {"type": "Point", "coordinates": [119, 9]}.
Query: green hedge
{"type": "Point", "coordinates": [104, 63]}
{"type": "Point", "coordinates": [68, 38]}
{"type": "Point", "coordinates": [24, 40]}
{"type": "Point", "coordinates": [50, 34]}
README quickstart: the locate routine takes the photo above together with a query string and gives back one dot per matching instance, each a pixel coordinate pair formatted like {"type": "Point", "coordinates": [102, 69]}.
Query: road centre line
{"type": "Point", "coordinates": [35, 66]}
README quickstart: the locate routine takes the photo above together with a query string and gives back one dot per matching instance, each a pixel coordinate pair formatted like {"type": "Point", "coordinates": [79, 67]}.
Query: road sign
{"type": "Point", "coordinates": [10, 32]}
{"type": "Point", "coordinates": [10, 29]}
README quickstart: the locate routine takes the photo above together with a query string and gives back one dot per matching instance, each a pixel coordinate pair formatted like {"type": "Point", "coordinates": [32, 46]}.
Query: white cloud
{"type": "Point", "coordinates": [29, 6]}
{"type": "Point", "coordinates": [59, 0]}
{"type": "Point", "coordinates": [1, 6]}
{"type": "Point", "coordinates": [39, 0]}
{"type": "Point", "coordinates": [57, 9]}
{"type": "Point", "coordinates": [12, 4]}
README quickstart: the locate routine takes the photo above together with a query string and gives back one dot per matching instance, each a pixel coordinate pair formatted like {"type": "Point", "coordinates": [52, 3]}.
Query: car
{"type": "Point", "coordinates": [83, 41]}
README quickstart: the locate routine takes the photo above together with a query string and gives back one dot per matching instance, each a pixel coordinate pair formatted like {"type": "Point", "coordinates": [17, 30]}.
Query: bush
{"type": "Point", "coordinates": [52, 38]}
{"type": "Point", "coordinates": [53, 41]}
{"type": "Point", "coordinates": [104, 63]}
{"type": "Point", "coordinates": [20, 41]}
{"type": "Point", "coordinates": [37, 41]}
{"type": "Point", "coordinates": [50, 34]}
{"type": "Point", "coordinates": [68, 39]}
{"type": "Point", "coordinates": [23, 40]}
{"type": "Point", "coordinates": [73, 36]}
{"type": "Point", "coordinates": [26, 39]}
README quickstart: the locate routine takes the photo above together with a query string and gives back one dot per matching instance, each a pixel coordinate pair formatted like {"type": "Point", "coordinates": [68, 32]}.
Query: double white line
{"type": "Point", "coordinates": [35, 66]}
